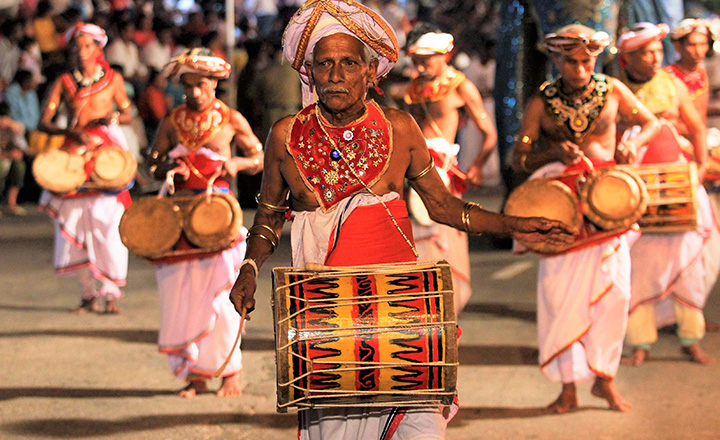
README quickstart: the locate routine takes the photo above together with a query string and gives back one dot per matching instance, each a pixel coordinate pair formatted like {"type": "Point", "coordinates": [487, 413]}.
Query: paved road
{"type": "Point", "coordinates": [101, 377]}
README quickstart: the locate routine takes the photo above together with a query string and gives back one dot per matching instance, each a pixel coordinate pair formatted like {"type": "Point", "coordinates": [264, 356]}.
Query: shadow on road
{"type": "Point", "coordinates": [77, 393]}
{"type": "Point", "coordinates": [468, 413]}
{"type": "Point", "coordinates": [79, 428]}
{"type": "Point", "coordinates": [500, 310]}
{"type": "Point", "coordinates": [33, 308]}
{"type": "Point", "coordinates": [497, 355]}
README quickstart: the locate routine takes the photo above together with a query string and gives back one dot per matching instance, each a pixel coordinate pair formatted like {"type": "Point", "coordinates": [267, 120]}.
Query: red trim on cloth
{"type": "Point", "coordinates": [369, 236]}
{"type": "Point", "coordinates": [183, 244]}
{"type": "Point", "coordinates": [397, 418]}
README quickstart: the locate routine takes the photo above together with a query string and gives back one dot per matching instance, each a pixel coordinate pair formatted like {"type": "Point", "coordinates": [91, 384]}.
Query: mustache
{"type": "Point", "coordinates": [332, 89]}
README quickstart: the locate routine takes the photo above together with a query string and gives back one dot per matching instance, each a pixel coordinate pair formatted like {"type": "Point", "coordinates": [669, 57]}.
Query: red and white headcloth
{"type": "Point", "coordinates": [432, 43]}
{"type": "Point", "coordinates": [641, 34]}
{"type": "Point", "coordinates": [690, 25]}
{"type": "Point", "coordinates": [320, 18]}
{"type": "Point", "coordinates": [92, 30]}
{"type": "Point", "coordinates": [197, 60]}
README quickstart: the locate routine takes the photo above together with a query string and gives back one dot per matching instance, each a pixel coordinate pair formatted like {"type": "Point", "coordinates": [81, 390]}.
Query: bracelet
{"type": "Point", "coordinates": [426, 170]}
{"type": "Point", "coordinates": [523, 165]}
{"type": "Point", "coordinates": [124, 105]}
{"type": "Point", "coordinates": [271, 207]}
{"type": "Point", "coordinates": [466, 215]}
{"type": "Point", "coordinates": [272, 231]}
{"type": "Point", "coordinates": [526, 140]}
{"type": "Point", "coordinates": [251, 263]}
{"type": "Point", "coordinates": [114, 118]}
{"type": "Point", "coordinates": [257, 234]}
{"type": "Point", "coordinates": [258, 146]}
{"type": "Point", "coordinates": [52, 105]}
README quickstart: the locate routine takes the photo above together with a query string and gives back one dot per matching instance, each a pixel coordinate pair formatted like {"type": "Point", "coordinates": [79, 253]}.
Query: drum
{"type": "Point", "coordinates": [672, 197]}
{"type": "Point", "coordinates": [213, 221]}
{"type": "Point", "coordinates": [151, 226]}
{"type": "Point", "coordinates": [380, 335]}
{"type": "Point", "coordinates": [59, 171]}
{"type": "Point", "coordinates": [613, 198]}
{"type": "Point", "coordinates": [545, 197]}
{"type": "Point", "coordinates": [114, 168]}
{"type": "Point", "coordinates": [713, 162]}
{"type": "Point", "coordinates": [40, 142]}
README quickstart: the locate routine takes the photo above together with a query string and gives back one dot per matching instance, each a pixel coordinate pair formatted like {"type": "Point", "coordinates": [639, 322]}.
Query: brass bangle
{"type": "Point", "coordinates": [525, 140]}
{"type": "Point", "coordinates": [523, 164]}
{"type": "Point", "coordinates": [273, 208]}
{"type": "Point", "coordinates": [466, 215]}
{"type": "Point", "coordinates": [257, 234]}
{"type": "Point", "coordinates": [124, 105]}
{"type": "Point", "coordinates": [52, 105]}
{"type": "Point", "coordinates": [268, 228]}
{"type": "Point", "coordinates": [426, 170]}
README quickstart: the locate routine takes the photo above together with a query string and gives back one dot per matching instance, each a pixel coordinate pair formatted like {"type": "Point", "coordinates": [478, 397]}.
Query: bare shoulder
{"type": "Point", "coordinates": [618, 87]}
{"type": "Point", "coordinates": [237, 119]}
{"type": "Point", "coordinates": [399, 119]}
{"type": "Point", "coordinates": [278, 132]}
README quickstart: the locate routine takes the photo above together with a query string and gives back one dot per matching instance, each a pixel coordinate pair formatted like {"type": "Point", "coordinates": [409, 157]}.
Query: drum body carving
{"type": "Point", "coordinates": [613, 198]}
{"type": "Point", "coordinates": [113, 168]}
{"type": "Point", "coordinates": [365, 336]}
{"type": "Point", "coordinates": [545, 197]}
{"type": "Point", "coordinates": [59, 171]}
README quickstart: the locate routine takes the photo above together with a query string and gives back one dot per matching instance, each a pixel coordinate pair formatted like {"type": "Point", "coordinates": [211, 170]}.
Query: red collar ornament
{"type": "Point", "coordinates": [195, 129]}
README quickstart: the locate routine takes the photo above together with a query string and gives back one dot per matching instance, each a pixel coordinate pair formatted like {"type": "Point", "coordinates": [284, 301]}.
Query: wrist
{"type": "Point", "coordinates": [251, 263]}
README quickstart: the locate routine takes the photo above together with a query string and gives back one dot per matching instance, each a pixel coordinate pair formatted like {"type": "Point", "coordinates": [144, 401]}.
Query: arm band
{"type": "Point", "coordinates": [426, 170]}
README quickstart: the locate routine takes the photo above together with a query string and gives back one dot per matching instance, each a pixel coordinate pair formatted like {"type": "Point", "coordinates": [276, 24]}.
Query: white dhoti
{"type": "Point", "coordinates": [434, 241]}
{"type": "Point", "coordinates": [198, 323]}
{"type": "Point", "coordinates": [670, 281]}
{"type": "Point", "coordinates": [87, 237]}
{"type": "Point", "coordinates": [583, 299]}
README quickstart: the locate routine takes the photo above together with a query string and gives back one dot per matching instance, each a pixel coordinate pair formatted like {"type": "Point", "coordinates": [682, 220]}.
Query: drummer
{"type": "Point", "coordinates": [668, 273]}
{"type": "Point", "coordinates": [195, 142]}
{"type": "Point", "coordinates": [583, 294]}
{"type": "Point", "coordinates": [87, 241]}
{"type": "Point", "coordinates": [339, 165]}
{"type": "Point", "coordinates": [436, 97]}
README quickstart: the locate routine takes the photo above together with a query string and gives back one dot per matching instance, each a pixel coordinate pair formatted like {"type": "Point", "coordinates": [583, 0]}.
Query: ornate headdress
{"type": "Point", "coordinates": [92, 30]}
{"type": "Point", "coordinates": [690, 25]}
{"type": "Point", "coordinates": [641, 34]}
{"type": "Point", "coordinates": [197, 60]}
{"type": "Point", "coordinates": [319, 18]}
{"type": "Point", "coordinates": [569, 39]}
{"type": "Point", "coordinates": [432, 43]}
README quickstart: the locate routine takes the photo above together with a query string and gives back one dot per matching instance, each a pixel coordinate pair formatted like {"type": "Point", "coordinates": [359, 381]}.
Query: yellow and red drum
{"type": "Point", "coordinates": [379, 335]}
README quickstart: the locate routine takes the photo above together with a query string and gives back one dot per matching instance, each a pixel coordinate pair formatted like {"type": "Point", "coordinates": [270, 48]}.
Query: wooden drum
{"type": "Point", "coordinates": [59, 171]}
{"type": "Point", "coordinates": [613, 198]}
{"type": "Point", "coordinates": [151, 226]}
{"type": "Point", "coordinates": [545, 197]}
{"type": "Point", "coordinates": [379, 335]}
{"type": "Point", "coordinates": [213, 221]}
{"type": "Point", "coordinates": [114, 168]}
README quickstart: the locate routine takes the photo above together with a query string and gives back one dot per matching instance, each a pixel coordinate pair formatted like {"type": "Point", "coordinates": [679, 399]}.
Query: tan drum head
{"type": "Point", "coordinates": [214, 222]}
{"type": "Point", "coordinates": [59, 171]}
{"type": "Point", "coordinates": [548, 198]}
{"type": "Point", "coordinates": [151, 226]}
{"type": "Point", "coordinates": [614, 198]}
{"type": "Point", "coordinates": [114, 168]}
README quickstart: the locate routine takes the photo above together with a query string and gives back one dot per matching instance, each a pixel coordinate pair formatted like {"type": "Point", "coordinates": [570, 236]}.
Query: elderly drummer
{"type": "Point", "coordinates": [87, 241]}
{"type": "Point", "coordinates": [436, 97]}
{"type": "Point", "coordinates": [668, 277]}
{"type": "Point", "coordinates": [339, 165]}
{"type": "Point", "coordinates": [194, 144]}
{"type": "Point", "coordinates": [584, 292]}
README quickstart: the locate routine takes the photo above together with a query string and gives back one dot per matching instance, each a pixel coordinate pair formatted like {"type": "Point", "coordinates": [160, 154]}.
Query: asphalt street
{"type": "Point", "coordinates": [100, 376]}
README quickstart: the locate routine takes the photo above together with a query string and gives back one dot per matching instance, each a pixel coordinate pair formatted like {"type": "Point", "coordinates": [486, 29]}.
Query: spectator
{"type": "Point", "coordinates": [30, 59]}
{"type": "Point", "coordinates": [157, 53]}
{"type": "Point", "coordinates": [11, 32]}
{"type": "Point", "coordinates": [144, 33]}
{"type": "Point", "coordinates": [12, 166]}
{"type": "Point", "coordinates": [212, 41]}
{"type": "Point", "coordinates": [22, 99]}
{"type": "Point", "coordinates": [124, 52]}
{"type": "Point", "coordinates": [153, 104]}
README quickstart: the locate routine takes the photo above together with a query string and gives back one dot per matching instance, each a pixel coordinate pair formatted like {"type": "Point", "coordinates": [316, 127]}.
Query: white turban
{"type": "Point", "coordinates": [92, 30]}
{"type": "Point", "coordinates": [690, 25]}
{"type": "Point", "coordinates": [432, 43]}
{"type": "Point", "coordinates": [191, 61]}
{"type": "Point", "coordinates": [319, 18]}
{"type": "Point", "coordinates": [641, 34]}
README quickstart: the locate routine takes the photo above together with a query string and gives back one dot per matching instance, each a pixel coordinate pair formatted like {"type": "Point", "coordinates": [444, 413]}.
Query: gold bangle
{"type": "Point", "coordinates": [426, 170]}
{"type": "Point", "coordinates": [250, 262]}
{"type": "Point", "coordinates": [273, 208]}
{"type": "Point", "coordinates": [52, 106]}
{"type": "Point", "coordinates": [124, 105]}
{"type": "Point", "coordinates": [525, 140]}
{"type": "Point", "coordinates": [257, 234]}
{"type": "Point", "coordinates": [258, 146]}
{"type": "Point", "coordinates": [272, 231]}
{"type": "Point", "coordinates": [466, 215]}
{"type": "Point", "coordinates": [153, 168]}
{"type": "Point", "coordinates": [523, 165]}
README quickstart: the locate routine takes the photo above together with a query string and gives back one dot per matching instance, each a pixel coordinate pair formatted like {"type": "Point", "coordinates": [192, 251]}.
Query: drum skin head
{"type": "Point", "coordinates": [545, 197]}
{"type": "Point", "coordinates": [151, 226]}
{"type": "Point", "coordinates": [114, 168]}
{"type": "Point", "coordinates": [614, 198]}
{"type": "Point", "coordinates": [59, 171]}
{"type": "Point", "coordinates": [214, 222]}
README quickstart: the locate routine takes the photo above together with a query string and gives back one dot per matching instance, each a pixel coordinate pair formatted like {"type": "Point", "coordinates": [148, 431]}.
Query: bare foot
{"type": "Point", "coordinates": [230, 387]}
{"type": "Point", "coordinates": [605, 389]}
{"type": "Point", "coordinates": [193, 389]}
{"type": "Point", "coordinates": [111, 306]}
{"type": "Point", "coordinates": [86, 305]}
{"type": "Point", "coordinates": [637, 358]}
{"type": "Point", "coordinates": [711, 326]}
{"type": "Point", "coordinates": [566, 401]}
{"type": "Point", "coordinates": [697, 354]}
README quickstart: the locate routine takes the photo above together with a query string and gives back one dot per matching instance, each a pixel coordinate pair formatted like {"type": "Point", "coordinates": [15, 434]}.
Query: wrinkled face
{"type": "Point", "coordinates": [693, 48]}
{"type": "Point", "coordinates": [645, 62]}
{"type": "Point", "coordinates": [87, 49]}
{"type": "Point", "coordinates": [340, 73]}
{"type": "Point", "coordinates": [430, 66]}
{"type": "Point", "coordinates": [576, 69]}
{"type": "Point", "coordinates": [199, 90]}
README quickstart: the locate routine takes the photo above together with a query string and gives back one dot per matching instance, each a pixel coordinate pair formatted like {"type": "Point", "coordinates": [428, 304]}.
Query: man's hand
{"type": "Point", "coordinates": [625, 152]}
{"type": "Point", "coordinates": [539, 229]}
{"type": "Point", "coordinates": [79, 137]}
{"type": "Point", "coordinates": [474, 174]}
{"type": "Point", "coordinates": [567, 152]}
{"type": "Point", "coordinates": [242, 294]}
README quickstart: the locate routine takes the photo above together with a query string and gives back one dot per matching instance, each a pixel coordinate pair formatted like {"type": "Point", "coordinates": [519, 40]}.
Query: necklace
{"type": "Point", "coordinates": [83, 81]}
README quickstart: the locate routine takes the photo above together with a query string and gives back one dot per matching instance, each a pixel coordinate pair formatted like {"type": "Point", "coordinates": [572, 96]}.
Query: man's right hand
{"type": "Point", "coordinates": [568, 152]}
{"type": "Point", "coordinates": [79, 137]}
{"type": "Point", "coordinates": [242, 294]}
